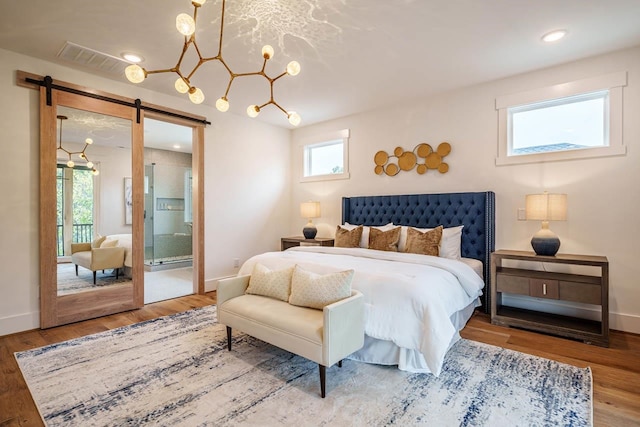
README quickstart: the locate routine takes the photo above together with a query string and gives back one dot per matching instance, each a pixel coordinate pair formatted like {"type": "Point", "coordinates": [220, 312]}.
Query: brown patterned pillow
{"type": "Point", "coordinates": [348, 238]}
{"type": "Point", "coordinates": [427, 243]}
{"type": "Point", "coordinates": [384, 240]}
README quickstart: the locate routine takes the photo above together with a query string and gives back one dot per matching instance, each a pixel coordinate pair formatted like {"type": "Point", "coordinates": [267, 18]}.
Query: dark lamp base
{"type": "Point", "coordinates": [310, 232]}
{"type": "Point", "coordinates": [547, 246]}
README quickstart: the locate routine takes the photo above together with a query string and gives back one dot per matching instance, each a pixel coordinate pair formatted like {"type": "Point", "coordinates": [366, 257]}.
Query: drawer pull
{"type": "Point", "coordinates": [544, 289]}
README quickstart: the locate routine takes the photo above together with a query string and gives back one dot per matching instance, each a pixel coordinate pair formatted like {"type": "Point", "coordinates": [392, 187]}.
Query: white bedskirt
{"type": "Point", "coordinates": [383, 352]}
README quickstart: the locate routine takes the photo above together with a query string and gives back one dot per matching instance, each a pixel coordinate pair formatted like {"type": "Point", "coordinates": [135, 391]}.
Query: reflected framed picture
{"type": "Point", "coordinates": [128, 201]}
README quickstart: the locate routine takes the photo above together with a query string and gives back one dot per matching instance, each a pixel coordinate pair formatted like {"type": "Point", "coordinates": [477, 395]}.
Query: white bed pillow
{"type": "Point", "coordinates": [364, 240]}
{"type": "Point", "coordinates": [449, 244]}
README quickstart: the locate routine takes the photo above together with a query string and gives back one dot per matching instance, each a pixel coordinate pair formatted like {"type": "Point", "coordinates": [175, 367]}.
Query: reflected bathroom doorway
{"type": "Point", "coordinates": [168, 217]}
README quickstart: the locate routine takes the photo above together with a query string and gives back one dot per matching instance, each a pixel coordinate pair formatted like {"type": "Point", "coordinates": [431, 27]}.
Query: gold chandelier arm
{"type": "Point", "coordinates": [166, 70]}
{"type": "Point", "coordinates": [255, 73]}
{"type": "Point", "coordinates": [281, 75]}
{"type": "Point", "coordinates": [221, 29]}
{"type": "Point", "coordinates": [278, 105]}
{"type": "Point", "coordinates": [229, 86]}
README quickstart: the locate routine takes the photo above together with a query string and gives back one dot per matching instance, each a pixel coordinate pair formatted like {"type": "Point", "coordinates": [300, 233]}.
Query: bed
{"type": "Point", "coordinates": [415, 304]}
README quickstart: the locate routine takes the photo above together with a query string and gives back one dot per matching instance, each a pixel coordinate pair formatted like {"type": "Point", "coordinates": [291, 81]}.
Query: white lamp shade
{"type": "Point", "coordinates": [546, 207]}
{"type": "Point", "coordinates": [310, 209]}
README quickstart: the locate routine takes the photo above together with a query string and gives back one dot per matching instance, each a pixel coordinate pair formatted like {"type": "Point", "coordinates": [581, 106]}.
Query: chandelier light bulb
{"type": "Point", "coordinates": [222, 104]}
{"type": "Point", "coordinates": [89, 164]}
{"type": "Point", "coordinates": [198, 3]}
{"type": "Point", "coordinates": [253, 111]}
{"type": "Point", "coordinates": [267, 51]}
{"type": "Point", "coordinates": [196, 96]}
{"type": "Point", "coordinates": [81, 155]}
{"type": "Point", "coordinates": [294, 118]}
{"type": "Point", "coordinates": [181, 86]}
{"type": "Point", "coordinates": [70, 163]}
{"type": "Point", "coordinates": [88, 141]}
{"type": "Point", "coordinates": [185, 24]}
{"type": "Point", "coordinates": [135, 73]}
{"type": "Point", "coordinates": [293, 68]}
{"type": "Point", "coordinates": [95, 172]}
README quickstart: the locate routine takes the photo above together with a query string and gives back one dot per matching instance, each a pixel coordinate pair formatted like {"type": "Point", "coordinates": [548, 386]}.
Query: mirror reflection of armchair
{"type": "Point", "coordinates": [94, 259]}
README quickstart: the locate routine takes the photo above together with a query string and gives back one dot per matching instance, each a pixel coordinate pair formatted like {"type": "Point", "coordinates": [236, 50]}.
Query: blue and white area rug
{"type": "Point", "coordinates": [176, 371]}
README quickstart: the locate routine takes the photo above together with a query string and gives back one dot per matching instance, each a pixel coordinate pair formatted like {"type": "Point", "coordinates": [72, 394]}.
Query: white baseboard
{"type": "Point", "coordinates": [212, 284]}
{"type": "Point", "coordinates": [618, 321]}
{"type": "Point", "coordinates": [19, 323]}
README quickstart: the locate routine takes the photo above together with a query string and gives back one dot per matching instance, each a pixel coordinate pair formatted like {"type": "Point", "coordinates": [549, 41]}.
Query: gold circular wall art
{"type": "Point", "coordinates": [422, 158]}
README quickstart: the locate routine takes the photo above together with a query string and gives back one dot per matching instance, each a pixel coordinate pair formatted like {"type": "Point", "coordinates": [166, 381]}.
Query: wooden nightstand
{"type": "Point", "coordinates": [289, 242]}
{"type": "Point", "coordinates": [578, 288]}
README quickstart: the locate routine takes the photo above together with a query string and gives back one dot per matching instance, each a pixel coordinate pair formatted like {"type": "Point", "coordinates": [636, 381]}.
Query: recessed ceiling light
{"type": "Point", "coordinates": [132, 57]}
{"type": "Point", "coordinates": [176, 146]}
{"type": "Point", "coordinates": [554, 36]}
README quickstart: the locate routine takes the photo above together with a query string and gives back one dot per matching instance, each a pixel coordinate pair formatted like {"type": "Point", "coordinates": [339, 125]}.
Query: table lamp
{"type": "Point", "coordinates": [310, 210]}
{"type": "Point", "coordinates": [546, 207]}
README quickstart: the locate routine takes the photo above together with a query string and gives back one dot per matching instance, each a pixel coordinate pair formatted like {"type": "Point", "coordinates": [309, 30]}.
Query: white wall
{"type": "Point", "coordinates": [603, 193]}
{"type": "Point", "coordinates": [247, 185]}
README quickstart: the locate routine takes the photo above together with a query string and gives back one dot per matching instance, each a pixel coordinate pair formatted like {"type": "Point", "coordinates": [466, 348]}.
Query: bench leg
{"type": "Point", "coordinates": [94, 277]}
{"type": "Point", "coordinates": [76, 269]}
{"type": "Point", "coordinates": [340, 364]}
{"type": "Point", "coordinates": [323, 377]}
{"type": "Point", "coordinates": [229, 338]}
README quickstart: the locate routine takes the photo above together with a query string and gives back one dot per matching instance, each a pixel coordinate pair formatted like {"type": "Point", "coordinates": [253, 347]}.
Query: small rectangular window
{"type": "Point", "coordinates": [572, 120]}
{"type": "Point", "coordinates": [570, 123]}
{"type": "Point", "coordinates": [326, 157]}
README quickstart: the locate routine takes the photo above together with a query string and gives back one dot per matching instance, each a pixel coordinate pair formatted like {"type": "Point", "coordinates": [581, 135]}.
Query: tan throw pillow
{"type": "Point", "coordinates": [348, 238]}
{"type": "Point", "coordinates": [270, 283]}
{"type": "Point", "coordinates": [384, 240]}
{"type": "Point", "coordinates": [317, 291]}
{"type": "Point", "coordinates": [427, 243]}
{"type": "Point", "coordinates": [97, 242]}
{"type": "Point", "coordinates": [109, 243]}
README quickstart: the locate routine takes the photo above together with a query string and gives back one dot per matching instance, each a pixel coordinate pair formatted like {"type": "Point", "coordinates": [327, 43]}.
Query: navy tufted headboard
{"type": "Point", "coordinates": [476, 211]}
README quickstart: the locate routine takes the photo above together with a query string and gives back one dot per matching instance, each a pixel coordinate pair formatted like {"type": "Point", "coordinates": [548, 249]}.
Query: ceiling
{"type": "Point", "coordinates": [356, 55]}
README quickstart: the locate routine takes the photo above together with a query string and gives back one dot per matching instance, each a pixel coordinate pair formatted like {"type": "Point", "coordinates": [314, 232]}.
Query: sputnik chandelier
{"type": "Point", "coordinates": [82, 154]}
{"type": "Point", "coordinates": [186, 25]}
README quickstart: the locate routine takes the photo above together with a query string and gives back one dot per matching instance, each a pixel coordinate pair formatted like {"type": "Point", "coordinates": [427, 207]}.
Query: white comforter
{"type": "Point", "coordinates": [409, 298]}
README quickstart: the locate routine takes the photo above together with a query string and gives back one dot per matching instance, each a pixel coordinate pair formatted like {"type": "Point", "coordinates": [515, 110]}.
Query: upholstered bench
{"type": "Point", "coordinates": [324, 336]}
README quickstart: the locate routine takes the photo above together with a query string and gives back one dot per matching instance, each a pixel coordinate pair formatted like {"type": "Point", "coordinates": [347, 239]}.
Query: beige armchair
{"type": "Point", "coordinates": [94, 259]}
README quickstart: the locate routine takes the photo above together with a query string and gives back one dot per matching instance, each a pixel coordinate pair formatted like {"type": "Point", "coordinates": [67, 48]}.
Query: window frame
{"type": "Point", "coordinates": [319, 141]}
{"type": "Point", "coordinates": [613, 83]}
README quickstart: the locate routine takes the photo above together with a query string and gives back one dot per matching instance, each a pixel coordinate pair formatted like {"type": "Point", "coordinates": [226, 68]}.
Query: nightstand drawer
{"type": "Point", "coordinates": [512, 284]}
{"type": "Point", "coordinates": [586, 293]}
{"type": "Point", "coordinates": [543, 288]}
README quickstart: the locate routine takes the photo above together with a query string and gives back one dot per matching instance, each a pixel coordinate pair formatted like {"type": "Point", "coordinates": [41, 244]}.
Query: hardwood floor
{"type": "Point", "coordinates": [616, 370]}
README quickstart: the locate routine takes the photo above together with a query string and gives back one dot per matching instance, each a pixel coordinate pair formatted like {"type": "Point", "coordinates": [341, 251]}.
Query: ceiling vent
{"type": "Point", "coordinates": [92, 58]}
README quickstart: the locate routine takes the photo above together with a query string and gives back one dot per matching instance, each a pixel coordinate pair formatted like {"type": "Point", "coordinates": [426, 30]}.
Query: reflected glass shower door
{"type": "Point", "coordinates": [168, 215]}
